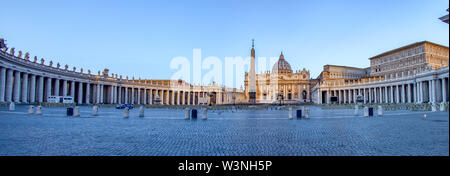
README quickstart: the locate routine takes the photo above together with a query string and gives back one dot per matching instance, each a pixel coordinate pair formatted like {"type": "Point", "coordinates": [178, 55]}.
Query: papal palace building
{"type": "Point", "coordinates": [416, 73]}
{"type": "Point", "coordinates": [23, 80]}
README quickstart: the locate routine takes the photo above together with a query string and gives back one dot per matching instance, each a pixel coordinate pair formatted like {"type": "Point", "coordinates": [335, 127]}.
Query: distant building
{"type": "Point", "coordinates": [282, 84]}
{"type": "Point", "coordinates": [409, 60]}
{"type": "Point", "coordinates": [416, 73]}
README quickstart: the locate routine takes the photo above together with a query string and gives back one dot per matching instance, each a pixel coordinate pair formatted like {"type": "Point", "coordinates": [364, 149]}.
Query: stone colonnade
{"type": "Point", "coordinates": [24, 81]}
{"type": "Point", "coordinates": [428, 87]}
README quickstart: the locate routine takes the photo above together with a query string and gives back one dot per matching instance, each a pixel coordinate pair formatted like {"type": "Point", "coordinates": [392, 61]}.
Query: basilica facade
{"type": "Point", "coordinates": [280, 84]}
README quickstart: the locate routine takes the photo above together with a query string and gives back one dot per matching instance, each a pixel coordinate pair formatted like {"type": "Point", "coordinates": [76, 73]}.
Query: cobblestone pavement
{"type": "Point", "coordinates": [249, 133]}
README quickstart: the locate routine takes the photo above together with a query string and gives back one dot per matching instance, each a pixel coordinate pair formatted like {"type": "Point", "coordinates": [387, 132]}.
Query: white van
{"type": "Point", "coordinates": [54, 99]}
{"type": "Point", "coordinates": [67, 99]}
{"type": "Point", "coordinates": [60, 99]}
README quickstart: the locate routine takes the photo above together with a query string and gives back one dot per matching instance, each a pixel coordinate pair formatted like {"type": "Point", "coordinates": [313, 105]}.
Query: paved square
{"type": "Point", "coordinates": [165, 132]}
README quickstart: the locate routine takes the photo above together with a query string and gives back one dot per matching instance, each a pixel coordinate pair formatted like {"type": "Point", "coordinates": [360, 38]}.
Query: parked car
{"type": "Point", "coordinates": [123, 106]}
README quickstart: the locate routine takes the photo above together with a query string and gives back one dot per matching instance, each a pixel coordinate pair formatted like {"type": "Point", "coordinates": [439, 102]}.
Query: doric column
{"type": "Point", "coordinates": [433, 91]}
{"type": "Point", "coordinates": [409, 93]}
{"type": "Point", "coordinates": [119, 95]}
{"type": "Point", "coordinates": [151, 97]}
{"type": "Point", "coordinates": [420, 92]}
{"type": "Point", "coordinates": [64, 91]}
{"type": "Point", "coordinates": [189, 98]}
{"type": "Point", "coordinates": [138, 95]}
{"type": "Point", "coordinates": [25, 88]}
{"type": "Point", "coordinates": [56, 88]}
{"type": "Point", "coordinates": [102, 89]}
{"type": "Point", "coordinates": [403, 94]}
{"type": "Point", "coordinates": [370, 95]}
{"type": "Point", "coordinates": [17, 87]}
{"type": "Point", "coordinates": [172, 98]}
{"type": "Point", "coordinates": [33, 88]}
{"type": "Point", "coordinates": [145, 96]}
{"type": "Point", "coordinates": [80, 93]}
{"type": "Point", "coordinates": [415, 92]}
{"type": "Point", "coordinates": [375, 95]}
{"type": "Point", "coordinates": [444, 92]}
{"type": "Point", "coordinates": [392, 93]}
{"type": "Point", "coordinates": [111, 94]}
{"type": "Point", "coordinates": [48, 88]}
{"type": "Point", "coordinates": [88, 93]}
{"type": "Point", "coordinates": [41, 89]}
{"type": "Point", "coordinates": [72, 89]}
{"type": "Point", "coordinates": [183, 98]}
{"type": "Point", "coordinates": [97, 93]}
{"type": "Point", "coordinates": [132, 95]}
{"type": "Point", "coordinates": [9, 85]}
{"type": "Point", "coordinates": [364, 95]}
{"type": "Point", "coordinates": [126, 95]}
{"type": "Point", "coordinates": [167, 97]}
{"type": "Point", "coordinates": [2, 84]}
{"type": "Point", "coordinates": [397, 95]}
{"type": "Point", "coordinates": [386, 98]}
{"type": "Point", "coordinates": [345, 96]}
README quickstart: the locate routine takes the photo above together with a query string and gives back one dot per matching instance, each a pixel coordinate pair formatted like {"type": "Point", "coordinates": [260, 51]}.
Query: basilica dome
{"type": "Point", "coordinates": [281, 66]}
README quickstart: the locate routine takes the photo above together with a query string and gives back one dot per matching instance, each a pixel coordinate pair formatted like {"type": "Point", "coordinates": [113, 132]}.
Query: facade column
{"type": "Point", "coordinates": [392, 94]}
{"type": "Point", "coordinates": [9, 85]}
{"type": "Point", "coordinates": [41, 89]}
{"type": "Point", "coordinates": [2, 84]}
{"type": "Point", "coordinates": [403, 94]}
{"type": "Point", "coordinates": [33, 88]}
{"type": "Point", "coordinates": [132, 95]}
{"type": "Point", "coordinates": [444, 92]}
{"type": "Point", "coordinates": [189, 98]}
{"type": "Point", "coordinates": [397, 95]}
{"type": "Point", "coordinates": [25, 88]}
{"type": "Point", "coordinates": [80, 93]}
{"type": "Point", "coordinates": [126, 95]}
{"type": "Point", "coordinates": [56, 88]}
{"type": "Point", "coordinates": [151, 96]}
{"type": "Point", "coordinates": [138, 95]}
{"type": "Point", "coordinates": [119, 95]}
{"type": "Point", "coordinates": [145, 96]}
{"type": "Point", "coordinates": [64, 91]}
{"type": "Point", "coordinates": [433, 91]}
{"type": "Point", "coordinates": [415, 92]}
{"type": "Point", "coordinates": [183, 98]}
{"type": "Point", "coordinates": [88, 93]}
{"type": "Point", "coordinates": [409, 93]}
{"type": "Point", "coordinates": [386, 100]}
{"type": "Point", "coordinates": [364, 95]}
{"type": "Point", "coordinates": [420, 93]}
{"type": "Point", "coordinates": [48, 88]}
{"type": "Point", "coordinates": [102, 89]}
{"type": "Point", "coordinates": [111, 94]}
{"type": "Point", "coordinates": [72, 89]}
{"type": "Point", "coordinates": [375, 95]}
{"type": "Point", "coordinates": [98, 93]}
{"type": "Point", "coordinates": [17, 87]}
{"type": "Point", "coordinates": [345, 96]}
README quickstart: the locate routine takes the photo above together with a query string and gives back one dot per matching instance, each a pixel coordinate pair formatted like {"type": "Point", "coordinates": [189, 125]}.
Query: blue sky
{"type": "Point", "coordinates": [139, 38]}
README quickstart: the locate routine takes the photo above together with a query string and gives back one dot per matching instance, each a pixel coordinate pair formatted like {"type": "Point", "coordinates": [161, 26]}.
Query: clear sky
{"type": "Point", "coordinates": [139, 38]}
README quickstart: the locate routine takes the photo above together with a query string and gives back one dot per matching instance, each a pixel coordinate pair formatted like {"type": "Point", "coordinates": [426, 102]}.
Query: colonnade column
{"type": "Point", "coordinates": [403, 94]}
{"type": "Point", "coordinates": [2, 84]}
{"type": "Point", "coordinates": [80, 93]}
{"type": "Point", "coordinates": [25, 88]}
{"type": "Point", "coordinates": [33, 88]}
{"type": "Point", "coordinates": [17, 87]}
{"type": "Point", "coordinates": [392, 93]}
{"type": "Point", "coordinates": [56, 88]}
{"type": "Point", "coordinates": [415, 92]}
{"type": "Point", "coordinates": [88, 93]}
{"type": "Point", "coordinates": [72, 89]}
{"type": "Point", "coordinates": [41, 89]}
{"type": "Point", "coordinates": [444, 90]}
{"type": "Point", "coordinates": [48, 88]}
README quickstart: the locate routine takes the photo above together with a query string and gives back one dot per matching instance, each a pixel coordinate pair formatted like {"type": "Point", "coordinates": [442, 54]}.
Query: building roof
{"type": "Point", "coordinates": [282, 66]}
{"type": "Point", "coordinates": [405, 47]}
